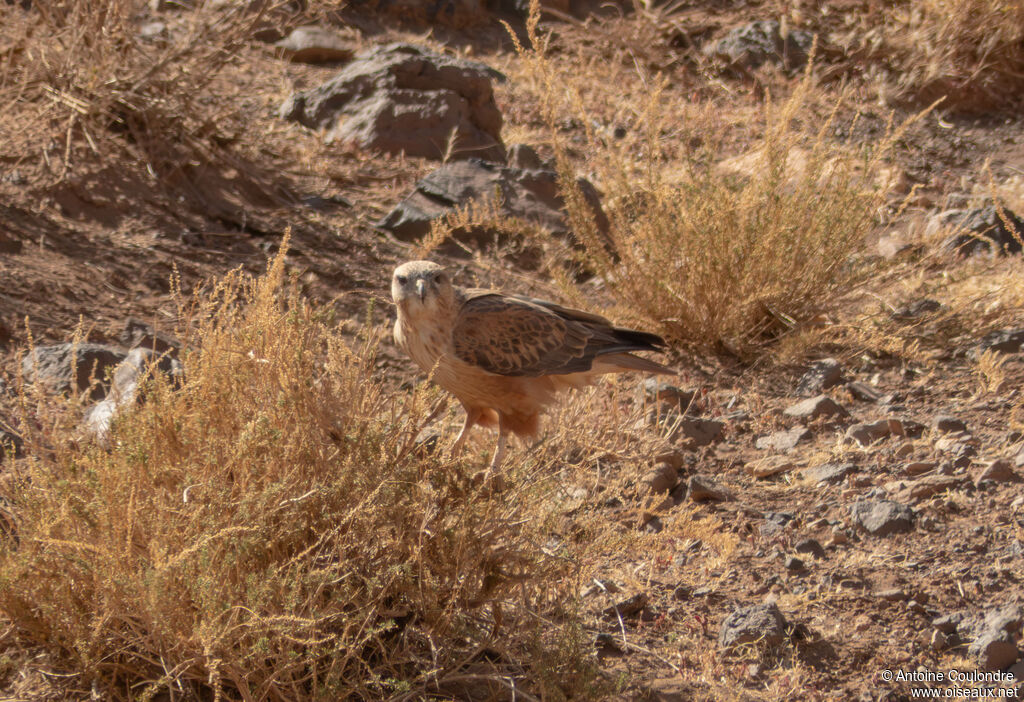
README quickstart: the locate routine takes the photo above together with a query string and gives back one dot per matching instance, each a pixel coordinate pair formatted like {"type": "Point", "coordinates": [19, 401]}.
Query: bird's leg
{"type": "Point", "coordinates": [471, 416]}
{"type": "Point", "coordinates": [499, 450]}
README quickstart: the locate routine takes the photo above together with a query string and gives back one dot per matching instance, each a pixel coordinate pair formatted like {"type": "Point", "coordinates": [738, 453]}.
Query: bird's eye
{"type": "Point", "coordinates": [402, 280]}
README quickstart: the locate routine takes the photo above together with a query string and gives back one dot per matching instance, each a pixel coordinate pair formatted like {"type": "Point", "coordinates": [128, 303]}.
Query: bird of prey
{"type": "Point", "coordinates": [505, 357]}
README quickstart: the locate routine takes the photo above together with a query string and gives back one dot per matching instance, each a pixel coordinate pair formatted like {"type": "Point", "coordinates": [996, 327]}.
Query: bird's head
{"type": "Point", "coordinates": [420, 287]}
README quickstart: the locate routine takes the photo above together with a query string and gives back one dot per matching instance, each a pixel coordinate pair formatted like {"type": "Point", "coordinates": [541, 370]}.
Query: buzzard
{"type": "Point", "coordinates": [504, 356]}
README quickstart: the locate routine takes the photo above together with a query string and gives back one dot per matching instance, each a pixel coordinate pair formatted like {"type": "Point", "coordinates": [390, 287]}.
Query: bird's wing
{"type": "Point", "coordinates": [518, 336]}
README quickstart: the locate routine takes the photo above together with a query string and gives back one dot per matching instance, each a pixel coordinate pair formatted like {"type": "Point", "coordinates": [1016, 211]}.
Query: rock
{"type": "Point", "coordinates": [893, 595]}
{"type": "Point", "coordinates": [820, 376]}
{"type": "Point", "coordinates": [999, 471]}
{"type": "Point", "coordinates": [919, 468]}
{"type": "Point", "coordinates": [769, 466]}
{"type": "Point", "coordinates": [947, 424]}
{"type": "Point", "coordinates": [793, 563]}
{"type": "Point", "coordinates": [526, 158]}
{"type": "Point", "coordinates": [927, 487]}
{"type": "Point", "coordinates": [1019, 460]}
{"type": "Point", "coordinates": [915, 310]}
{"type": "Point", "coordinates": [401, 98]}
{"type": "Point", "coordinates": [137, 333]}
{"type": "Point", "coordinates": [532, 196]}
{"type": "Point", "coordinates": [71, 367]}
{"type": "Point", "coordinates": [868, 433]}
{"type": "Point", "coordinates": [752, 45]}
{"type": "Point", "coordinates": [981, 231]}
{"type": "Point", "coordinates": [863, 391]}
{"type": "Point", "coordinates": [694, 433]}
{"type": "Point", "coordinates": [662, 479]}
{"type": "Point", "coordinates": [948, 623]}
{"type": "Point", "coordinates": [314, 44]}
{"type": "Point", "coordinates": [1004, 341]}
{"type": "Point", "coordinates": [831, 473]}
{"type": "Point", "coordinates": [628, 607]}
{"type": "Point", "coordinates": [761, 624]}
{"type": "Point", "coordinates": [153, 30]}
{"type": "Point", "coordinates": [810, 546]}
{"type": "Point", "coordinates": [882, 517]}
{"type": "Point", "coordinates": [701, 488]}
{"type": "Point", "coordinates": [820, 406]}
{"type": "Point", "coordinates": [783, 440]}
{"type": "Point", "coordinates": [655, 390]}
{"type": "Point", "coordinates": [125, 385]}
{"type": "Point", "coordinates": [994, 650]}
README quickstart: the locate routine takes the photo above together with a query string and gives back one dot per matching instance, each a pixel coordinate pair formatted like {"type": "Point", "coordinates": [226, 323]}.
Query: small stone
{"type": "Point", "coordinates": [928, 487]}
{"type": "Point", "coordinates": [703, 489]}
{"type": "Point", "coordinates": [661, 479]}
{"type": "Point", "coordinates": [820, 376]}
{"type": "Point", "coordinates": [994, 650]}
{"type": "Point", "coordinates": [793, 563]}
{"type": "Point", "coordinates": [758, 624]}
{"type": "Point", "coordinates": [946, 424]}
{"type": "Point", "coordinates": [915, 310]}
{"type": "Point", "coordinates": [863, 391]}
{"type": "Point", "coordinates": [812, 408]}
{"type": "Point", "coordinates": [919, 468]}
{"type": "Point", "coordinates": [868, 433]}
{"type": "Point", "coordinates": [769, 466]}
{"type": "Point", "coordinates": [627, 607]}
{"type": "Point", "coordinates": [831, 473]}
{"type": "Point", "coordinates": [783, 440]}
{"type": "Point", "coordinates": [810, 546]}
{"type": "Point", "coordinates": [939, 641]}
{"type": "Point", "coordinates": [882, 517]}
{"type": "Point", "coordinates": [313, 44]}
{"type": "Point", "coordinates": [694, 433]}
{"type": "Point", "coordinates": [1005, 341]}
{"type": "Point", "coordinates": [893, 595]}
{"type": "Point", "coordinates": [948, 623]}
{"type": "Point", "coordinates": [998, 472]}
{"type": "Point", "coordinates": [656, 390]}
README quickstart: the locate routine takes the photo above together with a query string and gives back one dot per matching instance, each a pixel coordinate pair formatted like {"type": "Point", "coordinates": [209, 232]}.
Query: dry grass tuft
{"type": "Point", "coordinates": [85, 93]}
{"type": "Point", "coordinates": [971, 52]}
{"type": "Point", "coordinates": [269, 531]}
{"type": "Point", "coordinates": [715, 258]}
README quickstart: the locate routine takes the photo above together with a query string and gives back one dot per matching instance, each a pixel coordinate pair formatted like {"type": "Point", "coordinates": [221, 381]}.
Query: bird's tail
{"type": "Point", "coordinates": [619, 362]}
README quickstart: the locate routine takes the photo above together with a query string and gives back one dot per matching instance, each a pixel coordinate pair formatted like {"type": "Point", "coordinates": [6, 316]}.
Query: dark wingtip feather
{"type": "Point", "coordinates": [644, 341]}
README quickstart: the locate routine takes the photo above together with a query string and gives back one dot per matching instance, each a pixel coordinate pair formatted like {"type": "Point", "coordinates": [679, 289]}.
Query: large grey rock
{"type": "Point", "coordinates": [125, 386]}
{"type": "Point", "coordinates": [882, 517]}
{"type": "Point", "coordinates": [982, 231]}
{"type": "Point", "coordinates": [401, 98]}
{"type": "Point", "coordinates": [71, 367]}
{"type": "Point", "coordinates": [759, 624]}
{"type": "Point", "coordinates": [530, 195]}
{"type": "Point", "coordinates": [783, 440]}
{"type": "Point", "coordinates": [752, 45]}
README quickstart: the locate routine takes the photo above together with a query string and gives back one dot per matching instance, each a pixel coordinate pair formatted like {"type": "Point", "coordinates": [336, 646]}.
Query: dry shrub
{"type": "Point", "coordinates": [90, 101]}
{"type": "Point", "coordinates": [713, 258]}
{"type": "Point", "coordinates": [270, 531]}
{"type": "Point", "coordinates": [969, 51]}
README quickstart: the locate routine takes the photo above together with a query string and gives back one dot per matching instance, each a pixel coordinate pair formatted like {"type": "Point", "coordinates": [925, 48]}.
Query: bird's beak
{"type": "Point", "coordinates": [421, 288]}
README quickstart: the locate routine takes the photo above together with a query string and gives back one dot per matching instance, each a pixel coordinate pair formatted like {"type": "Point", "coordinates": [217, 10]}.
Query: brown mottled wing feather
{"type": "Point", "coordinates": [518, 336]}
